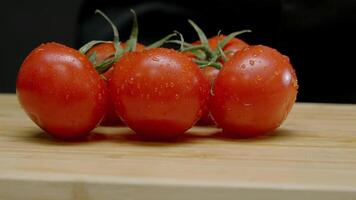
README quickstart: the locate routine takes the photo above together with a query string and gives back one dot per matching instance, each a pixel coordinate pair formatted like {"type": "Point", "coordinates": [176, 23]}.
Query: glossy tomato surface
{"type": "Point", "coordinates": [60, 91]}
{"type": "Point", "coordinates": [104, 51]}
{"type": "Point", "coordinates": [254, 92]}
{"type": "Point", "coordinates": [159, 92]}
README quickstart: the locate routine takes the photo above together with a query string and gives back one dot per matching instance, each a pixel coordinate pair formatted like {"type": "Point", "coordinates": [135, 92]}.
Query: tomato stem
{"type": "Point", "coordinates": [85, 48]}
{"type": "Point", "coordinates": [203, 39]}
{"type": "Point", "coordinates": [161, 41]}
{"type": "Point", "coordinates": [132, 41]}
{"type": "Point", "coordinates": [118, 49]}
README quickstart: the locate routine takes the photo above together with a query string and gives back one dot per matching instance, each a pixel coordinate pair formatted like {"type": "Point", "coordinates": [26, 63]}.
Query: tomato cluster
{"type": "Point", "coordinates": [247, 90]}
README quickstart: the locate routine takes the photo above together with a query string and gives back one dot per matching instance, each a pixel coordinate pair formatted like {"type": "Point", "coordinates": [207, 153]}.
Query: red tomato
{"type": "Point", "coordinates": [61, 91]}
{"type": "Point", "coordinates": [103, 52]}
{"type": "Point", "coordinates": [233, 46]}
{"type": "Point", "coordinates": [159, 92]}
{"type": "Point", "coordinates": [210, 73]}
{"type": "Point", "coordinates": [254, 92]}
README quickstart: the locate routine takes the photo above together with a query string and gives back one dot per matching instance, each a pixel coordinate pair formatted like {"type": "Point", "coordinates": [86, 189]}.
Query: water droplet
{"type": "Point", "coordinates": [177, 96]}
{"type": "Point", "coordinates": [131, 80]}
{"type": "Point", "coordinates": [252, 62]}
{"type": "Point", "coordinates": [243, 66]}
{"type": "Point", "coordinates": [154, 58]}
{"type": "Point", "coordinates": [171, 84]}
{"type": "Point", "coordinates": [276, 73]}
{"type": "Point", "coordinates": [247, 104]}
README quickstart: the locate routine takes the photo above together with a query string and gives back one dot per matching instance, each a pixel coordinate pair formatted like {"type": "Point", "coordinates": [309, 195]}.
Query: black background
{"type": "Point", "coordinates": [318, 36]}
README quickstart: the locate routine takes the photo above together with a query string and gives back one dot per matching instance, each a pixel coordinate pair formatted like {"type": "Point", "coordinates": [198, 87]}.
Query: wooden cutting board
{"type": "Point", "coordinates": [312, 156]}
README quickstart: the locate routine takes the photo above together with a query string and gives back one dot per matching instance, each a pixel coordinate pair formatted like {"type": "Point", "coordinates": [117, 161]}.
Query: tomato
{"type": "Point", "coordinates": [60, 91]}
{"type": "Point", "coordinates": [210, 73]}
{"type": "Point", "coordinates": [104, 51]}
{"type": "Point", "coordinates": [158, 92]}
{"type": "Point", "coordinates": [254, 92]}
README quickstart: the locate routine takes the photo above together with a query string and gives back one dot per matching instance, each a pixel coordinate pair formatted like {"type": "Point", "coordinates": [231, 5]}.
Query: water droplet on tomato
{"type": "Point", "coordinates": [154, 58]}
{"type": "Point", "coordinates": [243, 66]}
{"type": "Point", "coordinates": [252, 62]}
{"type": "Point", "coordinates": [177, 96]}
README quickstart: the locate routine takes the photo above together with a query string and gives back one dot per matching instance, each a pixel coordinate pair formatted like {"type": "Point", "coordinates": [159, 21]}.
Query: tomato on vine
{"type": "Point", "coordinates": [103, 54]}
{"type": "Point", "coordinates": [60, 91]}
{"type": "Point", "coordinates": [254, 92]}
{"type": "Point", "coordinates": [210, 54]}
{"type": "Point", "coordinates": [159, 93]}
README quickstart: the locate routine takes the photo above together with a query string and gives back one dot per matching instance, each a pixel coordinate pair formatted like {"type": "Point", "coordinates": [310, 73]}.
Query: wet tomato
{"type": "Point", "coordinates": [60, 91]}
{"type": "Point", "coordinates": [159, 92]}
{"type": "Point", "coordinates": [104, 51]}
{"type": "Point", "coordinates": [254, 92]}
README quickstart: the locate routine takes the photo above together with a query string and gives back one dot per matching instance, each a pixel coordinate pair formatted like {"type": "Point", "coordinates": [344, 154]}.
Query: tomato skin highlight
{"type": "Point", "coordinates": [104, 51]}
{"type": "Point", "coordinates": [60, 91]}
{"type": "Point", "coordinates": [254, 92]}
{"type": "Point", "coordinates": [159, 93]}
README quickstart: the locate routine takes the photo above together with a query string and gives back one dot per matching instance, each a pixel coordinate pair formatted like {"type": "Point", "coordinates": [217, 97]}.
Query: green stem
{"type": "Point", "coordinates": [118, 49]}
{"type": "Point", "coordinates": [179, 42]}
{"type": "Point", "coordinates": [132, 41]}
{"type": "Point", "coordinates": [229, 37]}
{"type": "Point", "coordinates": [85, 48]}
{"type": "Point", "coordinates": [204, 64]}
{"type": "Point", "coordinates": [202, 37]}
{"type": "Point", "coordinates": [192, 48]}
{"type": "Point", "coordinates": [161, 41]}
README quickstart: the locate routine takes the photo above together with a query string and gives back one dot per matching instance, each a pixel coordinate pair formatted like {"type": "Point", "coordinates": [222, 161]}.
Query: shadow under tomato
{"type": "Point", "coordinates": [105, 134]}
{"type": "Point", "coordinates": [126, 135]}
{"type": "Point", "coordinates": [279, 133]}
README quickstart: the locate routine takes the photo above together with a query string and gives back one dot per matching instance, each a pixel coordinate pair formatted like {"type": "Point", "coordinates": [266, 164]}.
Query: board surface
{"type": "Point", "coordinates": [311, 156]}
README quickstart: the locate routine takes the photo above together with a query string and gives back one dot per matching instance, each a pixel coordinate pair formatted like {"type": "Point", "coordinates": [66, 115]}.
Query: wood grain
{"type": "Point", "coordinates": [312, 156]}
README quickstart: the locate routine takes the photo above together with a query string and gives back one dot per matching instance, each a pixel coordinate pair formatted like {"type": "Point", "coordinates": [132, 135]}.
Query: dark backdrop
{"type": "Point", "coordinates": [318, 36]}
